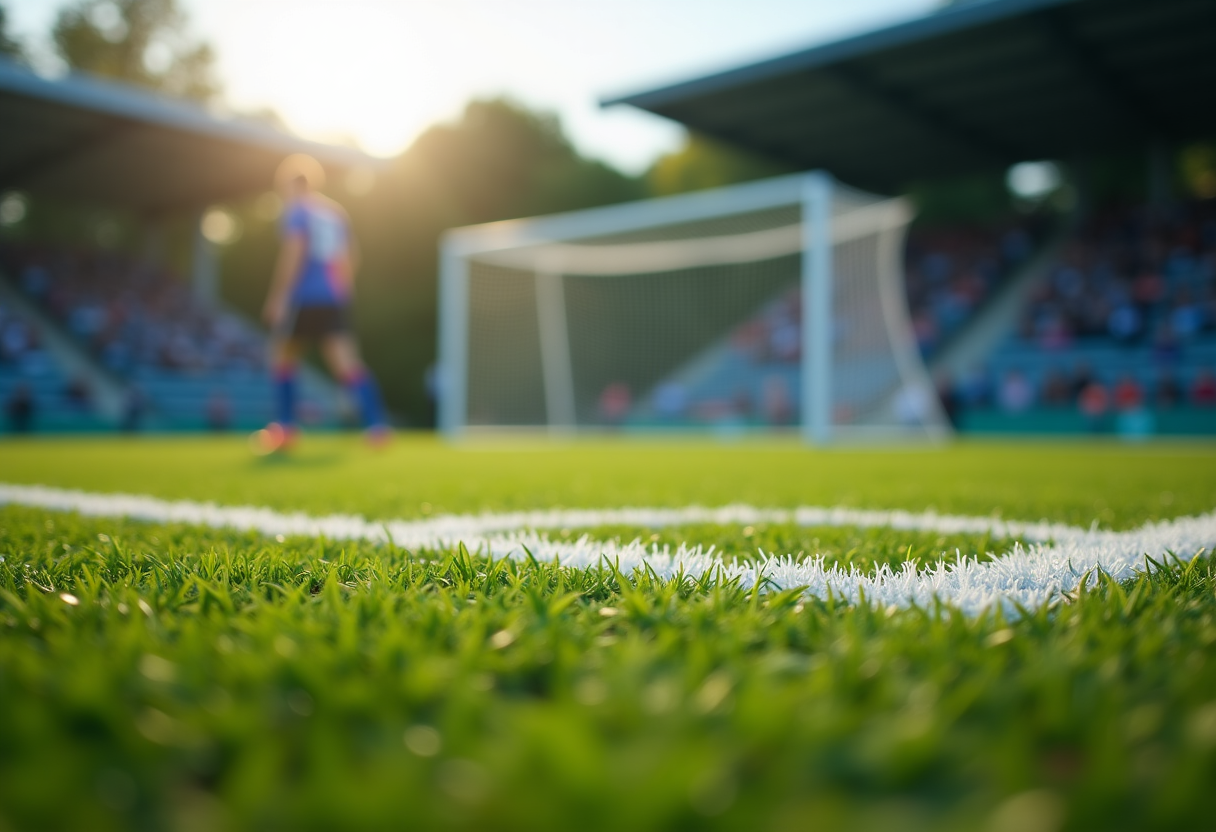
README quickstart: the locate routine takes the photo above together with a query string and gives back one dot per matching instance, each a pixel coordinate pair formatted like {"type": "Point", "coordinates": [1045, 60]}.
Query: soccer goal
{"type": "Point", "coordinates": [770, 305]}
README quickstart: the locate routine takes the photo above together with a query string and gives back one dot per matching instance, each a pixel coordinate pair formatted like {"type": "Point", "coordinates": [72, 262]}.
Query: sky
{"type": "Point", "coordinates": [379, 72]}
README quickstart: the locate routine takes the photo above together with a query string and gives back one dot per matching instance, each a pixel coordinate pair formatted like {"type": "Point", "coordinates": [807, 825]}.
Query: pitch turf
{"type": "Point", "coordinates": [158, 676]}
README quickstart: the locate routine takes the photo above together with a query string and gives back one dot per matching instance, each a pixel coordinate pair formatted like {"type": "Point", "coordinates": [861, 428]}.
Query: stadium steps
{"type": "Point", "coordinates": [986, 331]}
{"type": "Point", "coordinates": [1106, 360]}
{"type": "Point", "coordinates": [176, 400]}
{"type": "Point", "coordinates": [70, 360]}
{"type": "Point", "coordinates": [181, 399]}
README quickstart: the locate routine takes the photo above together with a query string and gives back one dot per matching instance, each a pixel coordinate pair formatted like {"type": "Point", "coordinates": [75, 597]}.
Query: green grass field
{"type": "Point", "coordinates": [158, 676]}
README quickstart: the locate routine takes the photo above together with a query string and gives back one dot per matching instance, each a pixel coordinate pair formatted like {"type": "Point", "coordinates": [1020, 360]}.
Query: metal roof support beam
{"type": "Point", "coordinates": [937, 121]}
{"type": "Point", "coordinates": [205, 265]}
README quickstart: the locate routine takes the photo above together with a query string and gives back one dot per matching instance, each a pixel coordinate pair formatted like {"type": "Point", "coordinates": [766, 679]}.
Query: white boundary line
{"type": "Point", "coordinates": [1053, 562]}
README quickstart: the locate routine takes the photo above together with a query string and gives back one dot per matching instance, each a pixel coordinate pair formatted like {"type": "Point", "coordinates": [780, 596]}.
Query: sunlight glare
{"type": "Point", "coordinates": [371, 78]}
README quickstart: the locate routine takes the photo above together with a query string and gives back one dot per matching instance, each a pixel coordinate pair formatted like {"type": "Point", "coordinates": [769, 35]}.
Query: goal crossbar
{"type": "Point", "coordinates": [633, 258]}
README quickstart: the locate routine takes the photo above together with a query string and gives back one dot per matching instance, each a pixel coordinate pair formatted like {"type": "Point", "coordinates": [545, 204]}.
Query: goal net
{"type": "Point", "coordinates": [769, 305]}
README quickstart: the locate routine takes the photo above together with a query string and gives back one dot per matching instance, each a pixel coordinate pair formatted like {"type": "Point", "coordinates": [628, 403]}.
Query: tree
{"type": "Point", "coordinates": [143, 42]}
{"type": "Point", "coordinates": [704, 163]}
{"type": "Point", "coordinates": [501, 160]}
{"type": "Point", "coordinates": [10, 47]}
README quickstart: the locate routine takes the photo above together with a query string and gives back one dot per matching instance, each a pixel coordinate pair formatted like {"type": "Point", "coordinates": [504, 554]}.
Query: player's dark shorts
{"type": "Point", "coordinates": [312, 323]}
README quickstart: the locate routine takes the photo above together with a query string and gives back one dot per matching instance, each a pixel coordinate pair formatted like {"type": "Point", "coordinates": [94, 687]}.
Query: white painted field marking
{"type": "Point", "coordinates": [1055, 560]}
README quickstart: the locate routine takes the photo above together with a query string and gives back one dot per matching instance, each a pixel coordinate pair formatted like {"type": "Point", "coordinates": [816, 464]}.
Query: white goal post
{"type": "Point", "coordinates": [768, 305]}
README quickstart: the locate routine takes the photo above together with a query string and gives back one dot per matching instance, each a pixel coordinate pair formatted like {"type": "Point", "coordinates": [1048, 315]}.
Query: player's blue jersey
{"type": "Point", "coordinates": [325, 277]}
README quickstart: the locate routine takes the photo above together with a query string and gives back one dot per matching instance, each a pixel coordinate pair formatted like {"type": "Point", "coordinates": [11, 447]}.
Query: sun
{"type": "Point", "coordinates": [373, 74]}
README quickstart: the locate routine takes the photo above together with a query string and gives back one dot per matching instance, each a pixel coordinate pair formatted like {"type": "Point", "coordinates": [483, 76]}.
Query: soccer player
{"type": "Point", "coordinates": [309, 302]}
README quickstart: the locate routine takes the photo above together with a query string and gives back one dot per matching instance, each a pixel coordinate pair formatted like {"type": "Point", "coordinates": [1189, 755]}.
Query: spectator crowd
{"type": "Point", "coordinates": [1016, 392]}
{"type": "Point", "coordinates": [951, 272]}
{"type": "Point", "coordinates": [130, 315]}
{"type": "Point", "coordinates": [1137, 289]}
{"type": "Point", "coordinates": [1131, 277]}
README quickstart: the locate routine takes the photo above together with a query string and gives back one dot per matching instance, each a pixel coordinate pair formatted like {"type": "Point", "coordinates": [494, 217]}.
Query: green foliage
{"type": "Point", "coordinates": [501, 160]}
{"type": "Point", "coordinates": [968, 199]}
{"type": "Point", "coordinates": [10, 47]}
{"type": "Point", "coordinates": [705, 163]}
{"type": "Point", "coordinates": [142, 42]}
{"type": "Point", "coordinates": [1197, 169]}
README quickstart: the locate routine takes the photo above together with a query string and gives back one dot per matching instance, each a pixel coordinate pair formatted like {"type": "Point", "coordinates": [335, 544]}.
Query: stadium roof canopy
{"type": "Point", "coordinates": [971, 87]}
{"type": "Point", "coordinates": [104, 142]}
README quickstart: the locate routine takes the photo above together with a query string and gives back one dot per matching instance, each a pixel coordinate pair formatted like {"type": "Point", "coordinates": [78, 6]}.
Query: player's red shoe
{"type": "Point", "coordinates": [273, 439]}
{"type": "Point", "coordinates": [378, 436]}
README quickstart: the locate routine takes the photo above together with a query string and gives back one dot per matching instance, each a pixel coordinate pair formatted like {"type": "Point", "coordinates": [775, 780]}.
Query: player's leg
{"type": "Point", "coordinates": [284, 363]}
{"type": "Point", "coordinates": [281, 434]}
{"type": "Point", "coordinates": [341, 353]}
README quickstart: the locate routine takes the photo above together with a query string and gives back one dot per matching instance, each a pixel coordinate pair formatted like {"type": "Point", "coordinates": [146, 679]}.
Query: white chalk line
{"type": "Point", "coordinates": [1053, 562]}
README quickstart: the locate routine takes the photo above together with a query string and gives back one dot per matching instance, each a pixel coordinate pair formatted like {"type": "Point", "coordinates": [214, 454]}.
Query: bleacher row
{"type": "Point", "coordinates": [229, 399]}
{"type": "Point", "coordinates": [1106, 363]}
{"type": "Point", "coordinates": [38, 395]}
{"type": "Point", "coordinates": [182, 365]}
{"type": "Point", "coordinates": [40, 400]}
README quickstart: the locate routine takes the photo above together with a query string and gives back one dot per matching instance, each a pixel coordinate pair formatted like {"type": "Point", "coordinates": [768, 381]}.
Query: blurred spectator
{"type": "Point", "coordinates": [615, 401]}
{"type": "Point", "coordinates": [1082, 377]}
{"type": "Point", "coordinates": [19, 409]}
{"type": "Point", "coordinates": [1166, 349]}
{"type": "Point", "coordinates": [1057, 392]}
{"type": "Point", "coordinates": [1125, 323]}
{"type": "Point", "coordinates": [974, 388]}
{"type": "Point", "coordinates": [1128, 395]}
{"type": "Point", "coordinates": [912, 405]}
{"type": "Point", "coordinates": [1186, 319]}
{"type": "Point", "coordinates": [1016, 394]}
{"type": "Point", "coordinates": [948, 395]}
{"type": "Point", "coordinates": [742, 404]}
{"type": "Point", "coordinates": [670, 400]}
{"type": "Point", "coordinates": [785, 343]}
{"type": "Point", "coordinates": [78, 395]}
{"type": "Point", "coordinates": [776, 403]}
{"type": "Point", "coordinates": [16, 338]}
{"type": "Point", "coordinates": [133, 408]}
{"type": "Point", "coordinates": [1168, 392]}
{"type": "Point", "coordinates": [219, 412]}
{"type": "Point", "coordinates": [1203, 389]}
{"type": "Point", "coordinates": [1094, 402]}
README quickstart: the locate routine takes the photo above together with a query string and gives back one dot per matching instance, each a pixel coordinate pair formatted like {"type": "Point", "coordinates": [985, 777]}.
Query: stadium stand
{"type": "Point", "coordinates": [37, 392]}
{"type": "Point", "coordinates": [185, 364]}
{"type": "Point", "coordinates": [156, 356]}
{"type": "Point", "coordinates": [1121, 334]}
